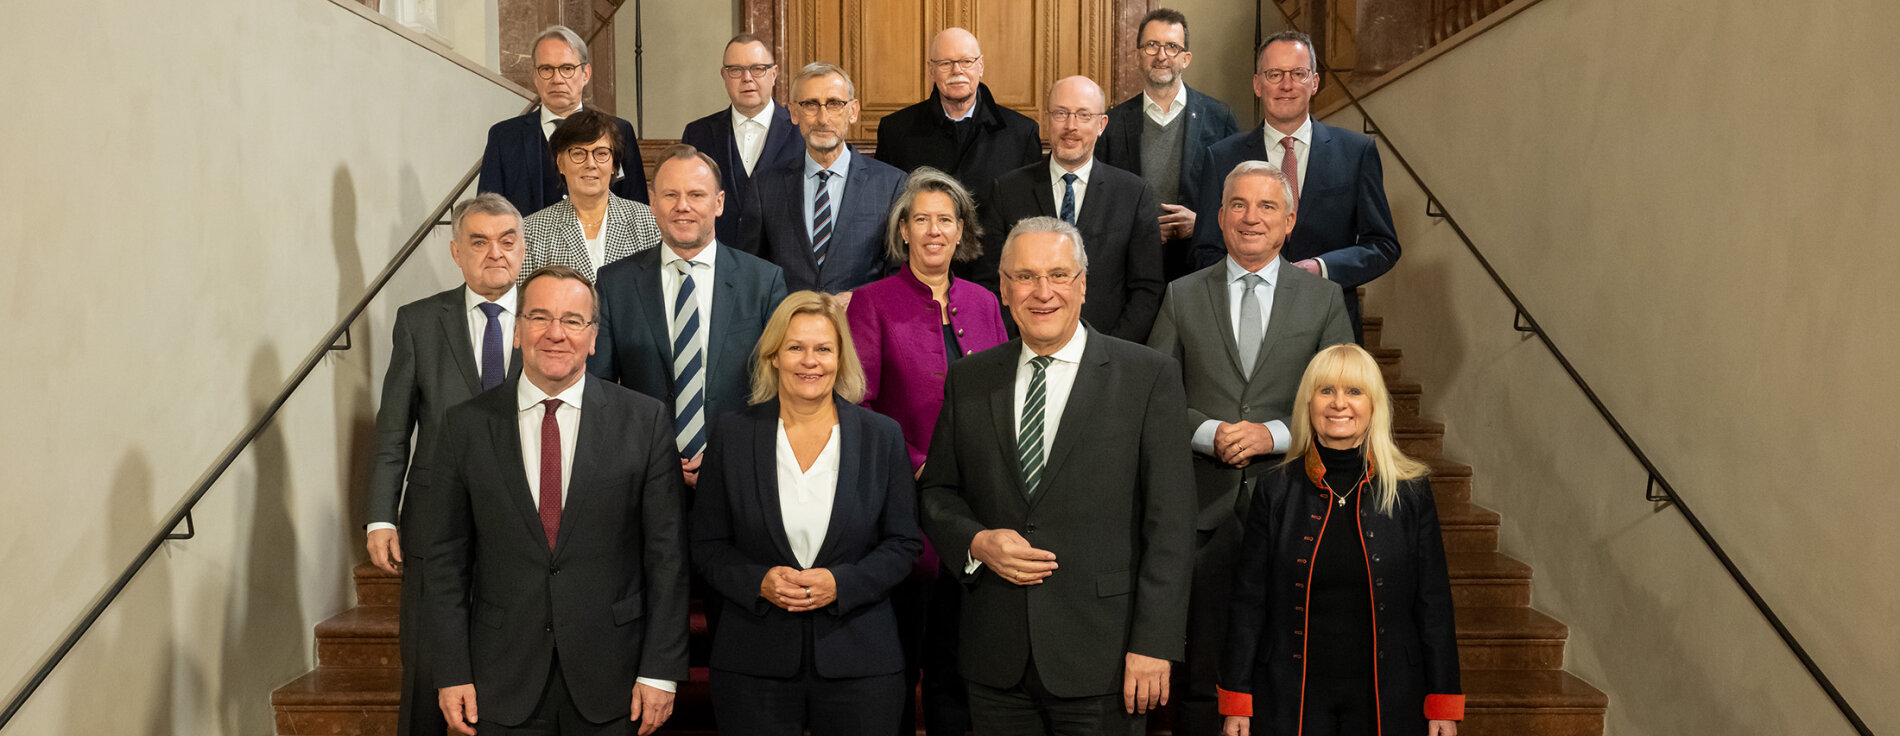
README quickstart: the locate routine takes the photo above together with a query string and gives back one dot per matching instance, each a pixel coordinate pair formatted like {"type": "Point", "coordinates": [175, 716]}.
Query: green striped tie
{"type": "Point", "coordinates": [1029, 439]}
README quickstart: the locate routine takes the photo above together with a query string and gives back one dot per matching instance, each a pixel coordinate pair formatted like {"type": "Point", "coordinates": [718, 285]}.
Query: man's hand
{"type": "Point", "coordinates": [1177, 222]}
{"type": "Point", "coordinates": [651, 707]}
{"type": "Point", "coordinates": [458, 707]}
{"type": "Point", "coordinates": [1310, 265]}
{"type": "Point", "coordinates": [690, 468]}
{"type": "Point", "coordinates": [1144, 683]}
{"type": "Point", "coordinates": [1236, 726]}
{"type": "Point", "coordinates": [385, 549]}
{"type": "Point", "coordinates": [1441, 728]}
{"type": "Point", "coordinates": [821, 589]}
{"type": "Point", "coordinates": [1008, 555]}
{"type": "Point", "coordinates": [1236, 443]}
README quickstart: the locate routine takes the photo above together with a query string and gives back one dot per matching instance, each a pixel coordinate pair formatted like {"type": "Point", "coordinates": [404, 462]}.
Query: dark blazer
{"type": "Point", "coordinates": [634, 346]}
{"type": "Point", "coordinates": [1119, 231]}
{"type": "Point", "coordinates": [431, 368]}
{"type": "Point", "coordinates": [712, 135]}
{"type": "Point", "coordinates": [897, 328]}
{"type": "Point", "coordinates": [1417, 672]}
{"type": "Point", "coordinates": [1196, 329]}
{"type": "Point", "coordinates": [518, 165]}
{"type": "Point", "coordinates": [1111, 507]}
{"type": "Point", "coordinates": [870, 546]}
{"type": "Point", "coordinates": [773, 226]}
{"type": "Point", "coordinates": [1343, 216]}
{"type": "Point", "coordinates": [1208, 121]}
{"type": "Point", "coordinates": [920, 135]}
{"type": "Point", "coordinates": [611, 596]}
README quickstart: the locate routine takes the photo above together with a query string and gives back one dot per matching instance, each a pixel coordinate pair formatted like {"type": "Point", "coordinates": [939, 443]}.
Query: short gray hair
{"type": "Point", "coordinates": [1030, 225]}
{"type": "Point", "coordinates": [486, 203]}
{"type": "Point", "coordinates": [565, 35]}
{"type": "Point", "coordinates": [820, 69]}
{"type": "Point", "coordinates": [1259, 168]}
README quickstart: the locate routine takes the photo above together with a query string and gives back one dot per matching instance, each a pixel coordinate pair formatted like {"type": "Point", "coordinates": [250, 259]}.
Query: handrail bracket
{"type": "Point", "coordinates": [191, 530]}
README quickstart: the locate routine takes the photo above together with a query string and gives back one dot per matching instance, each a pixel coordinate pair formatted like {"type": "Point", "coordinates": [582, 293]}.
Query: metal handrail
{"type": "Point", "coordinates": [181, 513]}
{"type": "Point", "coordinates": [1523, 321]}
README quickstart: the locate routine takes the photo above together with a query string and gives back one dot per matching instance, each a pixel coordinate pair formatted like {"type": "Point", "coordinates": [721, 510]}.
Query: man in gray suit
{"type": "Point", "coordinates": [1243, 331]}
{"type": "Point", "coordinates": [446, 349]}
{"type": "Point", "coordinates": [1066, 513]}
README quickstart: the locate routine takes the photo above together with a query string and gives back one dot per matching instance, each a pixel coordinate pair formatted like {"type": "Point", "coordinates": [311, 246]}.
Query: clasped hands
{"type": "Point", "coordinates": [1237, 443]}
{"type": "Point", "coordinates": [798, 591]}
{"type": "Point", "coordinates": [458, 708]}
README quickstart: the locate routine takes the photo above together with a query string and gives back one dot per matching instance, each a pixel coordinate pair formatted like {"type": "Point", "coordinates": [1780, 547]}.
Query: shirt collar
{"type": "Point", "coordinates": [472, 300]}
{"type": "Point", "coordinates": [1070, 353]}
{"type": "Point", "coordinates": [764, 118]}
{"type": "Point", "coordinates": [1269, 272]}
{"type": "Point", "coordinates": [528, 395]}
{"type": "Point", "coordinates": [1180, 98]}
{"type": "Point", "coordinates": [1303, 135]}
{"type": "Point", "coordinates": [548, 116]}
{"type": "Point", "coordinates": [1081, 174]}
{"type": "Point", "coordinates": [838, 168]}
{"type": "Point", "coordinates": [704, 257]}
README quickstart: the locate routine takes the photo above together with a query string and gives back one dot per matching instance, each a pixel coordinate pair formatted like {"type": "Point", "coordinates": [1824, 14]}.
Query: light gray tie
{"type": "Point", "coordinates": [1252, 332]}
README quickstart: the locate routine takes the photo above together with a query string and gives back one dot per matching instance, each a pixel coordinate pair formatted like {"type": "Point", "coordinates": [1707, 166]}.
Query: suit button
{"type": "Point", "coordinates": [1382, 629]}
{"type": "Point", "coordinates": [1375, 558]}
{"type": "Point", "coordinates": [1380, 582]}
{"type": "Point", "coordinates": [1368, 535]}
{"type": "Point", "coordinates": [1382, 606]}
{"type": "Point", "coordinates": [1245, 408]}
{"type": "Point", "coordinates": [549, 627]}
{"type": "Point", "coordinates": [953, 310]}
{"type": "Point", "coordinates": [554, 570]}
{"type": "Point", "coordinates": [959, 333]}
{"type": "Point", "coordinates": [1030, 528]}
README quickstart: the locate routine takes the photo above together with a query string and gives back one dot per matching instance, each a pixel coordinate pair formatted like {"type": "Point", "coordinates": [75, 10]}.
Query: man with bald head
{"type": "Point", "coordinates": [960, 128]}
{"type": "Point", "coordinates": [1116, 212]}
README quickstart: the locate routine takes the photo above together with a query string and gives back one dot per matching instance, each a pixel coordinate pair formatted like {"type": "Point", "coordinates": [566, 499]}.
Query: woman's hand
{"type": "Point", "coordinates": [820, 589]}
{"type": "Point", "coordinates": [1442, 728]}
{"type": "Point", "coordinates": [778, 589]}
{"type": "Point", "coordinates": [1237, 726]}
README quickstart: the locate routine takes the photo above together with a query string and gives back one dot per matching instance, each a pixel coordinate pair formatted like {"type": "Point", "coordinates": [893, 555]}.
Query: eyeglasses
{"type": "Point", "coordinates": [1157, 48]}
{"type": "Point", "coordinates": [566, 70]}
{"type": "Point", "coordinates": [755, 71]}
{"type": "Point", "coordinates": [538, 322]}
{"type": "Point", "coordinates": [1079, 116]}
{"type": "Point", "coordinates": [1299, 75]}
{"type": "Point", "coordinates": [601, 155]}
{"type": "Point", "coordinates": [1028, 279]}
{"type": "Point", "coordinates": [811, 107]}
{"type": "Point", "coordinates": [943, 65]}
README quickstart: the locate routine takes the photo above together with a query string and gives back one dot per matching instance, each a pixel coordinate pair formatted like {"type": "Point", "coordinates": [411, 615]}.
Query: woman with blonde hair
{"type": "Point", "coordinates": [1341, 618]}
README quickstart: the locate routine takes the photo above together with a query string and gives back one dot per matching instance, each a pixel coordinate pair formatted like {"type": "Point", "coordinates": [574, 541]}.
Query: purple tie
{"type": "Point", "coordinates": [492, 369]}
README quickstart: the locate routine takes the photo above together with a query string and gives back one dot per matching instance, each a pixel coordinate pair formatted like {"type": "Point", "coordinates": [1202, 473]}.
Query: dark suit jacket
{"type": "Point", "coordinates": [1119, 231]}
{"type": "Point", "coordinates": [518, 165]}
{"type": "Point", "coordinates": [1208, 121]}
{"type": "Point", "coordinates": [431, 368]}
{"type": "Point", "coordinates": [774, 226]}
{"type": "Point", "coordinates": [1112, 507]}
{"type": "Point", "coordinates": [920, 135]}
{"type": "Point", "coordinates": [1196, 329]}
{"type": "Point", "coordinates": [1343, 216]}
{"type": "Point", "coordinates": [611, 596]}
{"type": "Point", "coordinates": [634, 346]}
{"type": "Point", "coordinates": [712, 135]}
{"type": "Point", "coordinates": [870, 546]}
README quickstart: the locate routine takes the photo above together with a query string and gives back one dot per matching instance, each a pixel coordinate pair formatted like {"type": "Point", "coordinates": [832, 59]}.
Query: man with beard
{"type": "Point", "coordinates": [959, 129]}
{"type": "Point", "coordinates": [821, 219]}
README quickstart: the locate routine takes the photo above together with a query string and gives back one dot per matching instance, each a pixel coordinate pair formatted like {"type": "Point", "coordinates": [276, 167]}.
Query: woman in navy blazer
{"type": "Point", "coordinates": [804, 520]}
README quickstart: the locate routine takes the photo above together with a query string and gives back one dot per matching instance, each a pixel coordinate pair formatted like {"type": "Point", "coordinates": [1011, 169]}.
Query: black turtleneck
{"type": "Point", "coordinates": [1339, 643]}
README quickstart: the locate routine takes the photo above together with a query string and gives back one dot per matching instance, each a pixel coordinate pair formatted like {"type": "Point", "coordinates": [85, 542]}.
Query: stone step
{"type": "Point", "coordinates": [1451, 481]}
{"type": "Point", "coordinates": [375, 587]}
{"type": "Point", "coordinates": [1513, 638]}
{"type": "Point", "coordinates": [1419, 438]}
{"type": "Point", "coordinates": [364, 636]}
{"type": "Point", "coordinates": [1468, 527]}
{"type": "Point", "coordinates": [1406, 397]}
{"type": "Point", "coordinates": [1388, 359]}
{"type": "Point", "coordinates": [1374, 328]}
{"type": "Point", "coordinates": [1488, 580]}
{"type": "Point", "coordinates": [1521, 702]}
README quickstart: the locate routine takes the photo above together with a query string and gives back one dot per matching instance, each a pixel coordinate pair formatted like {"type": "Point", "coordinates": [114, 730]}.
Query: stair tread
{"type": "Point", "coordinates": [1507, 689]}
{"type": "Point", "coordinates": [369, 570]}
{"type": "Point", "coordinates": [1461, 514]}
{"type": "Point", "coordinates": [1443, 468]}
{"type": "Point", "coordinates": [375, 686]}
{"type": "Point", "coordinates": [1485, 566]}
{"type": "Point", "coordinates": [1403, 426]}
{"type": "Point", "coordinates": [1508, 622]}
{"type": "Point", "coordinates": [362, 622]}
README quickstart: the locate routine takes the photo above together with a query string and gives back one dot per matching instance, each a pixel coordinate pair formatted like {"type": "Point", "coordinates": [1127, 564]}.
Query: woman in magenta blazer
{"type": "Point", "coordinates": [909, 327]}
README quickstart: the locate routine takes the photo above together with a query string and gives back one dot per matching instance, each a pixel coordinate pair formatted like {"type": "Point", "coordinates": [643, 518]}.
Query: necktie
{"type": "Point", "coordinates": [492, 366]}
{"type": "Point", "coordinates": [551, 473]}
{"type": "Point", "coordinates": [821, 218]}
{"type": "Point", "coordinates": [689, 375]}
{"type": "Point", "coordinates": [1251, 331]}
{"type": "Point", "coordinates": [1068, 198]}
{"type": "Point", "coordinates": [1290, 165]}
{"type": "Point", "coordinates": [554, 125]}
{"type": "Point", "coordinates": [1029, 438]}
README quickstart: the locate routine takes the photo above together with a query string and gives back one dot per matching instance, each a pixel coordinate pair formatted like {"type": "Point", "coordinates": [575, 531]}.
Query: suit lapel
{"type": "Point", "coordinates": [573, 241]}
{"type": "Point", "coordinates": [781, 134]}
{"type": "Point", "coordinates": [1091, 379]}
{"type": "Point", "coordinates": [1098, 196]}
{"type": "Point", "coordinates": [725, 304]}
{"type": "Point", "coordinates": [650, 292]}
{"type": "Point", "coordinates": [616, 227]}
{"type": "Point", "coordinates": [1044, 194]}
{"type": "Point", "coordinates": [1191, 127]}
{"type": "Point", "coordinates": [1318, 157]}
{"type": "Point", "coordinates": [592, 442]}
{"type": "Point", "coordinates": [506, 431]}
{"type": "Point", "coordinates": [1215, 282]}
{"type": "Point", "coordinates": [1003, 412]}
{"type": "Point", "coordinates": [765, 464]}
{"type": "Point", "coordinates": [845, 496]}
{"type": "Point", "coordinates": [455, 330]}
{"type": "Point", "coordinates": [1284, 294]}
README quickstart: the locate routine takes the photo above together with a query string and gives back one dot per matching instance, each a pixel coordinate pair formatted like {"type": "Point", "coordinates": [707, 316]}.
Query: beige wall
{"type": "Point", "coordinates": [1221, 34]}
{"type": "Point", "coordinates": [1694, 199]}
{"type": "Point", "coordinates": [683, 44]}
{"type": "Point", "coordinates": [194, 192]}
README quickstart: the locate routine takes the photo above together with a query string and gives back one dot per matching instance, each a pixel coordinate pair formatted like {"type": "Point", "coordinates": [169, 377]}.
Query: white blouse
{"type": "Point", "coordinates": [597, 245]}
{"type": "Point", "coordinates": [805, 496]}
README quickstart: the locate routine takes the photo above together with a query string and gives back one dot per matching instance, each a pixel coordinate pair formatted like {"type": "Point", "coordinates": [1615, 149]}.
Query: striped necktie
{"type": "Point", "coordinates": [821, 218]}
{"type": "Point", "coordinates": [689, 367]}
{"type": "Point", "coordinates": [1029, 437]}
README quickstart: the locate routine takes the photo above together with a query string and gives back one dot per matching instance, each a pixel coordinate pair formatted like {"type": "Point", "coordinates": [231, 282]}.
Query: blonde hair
{"type": "Point", "coordinates": [850, 382]}
{"type": "Point", "coordinates": [1352, 367]}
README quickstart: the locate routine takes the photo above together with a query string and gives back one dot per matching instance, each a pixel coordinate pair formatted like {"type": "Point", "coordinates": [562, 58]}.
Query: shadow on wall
{"type": "Point", "coordinates": [355, 417]}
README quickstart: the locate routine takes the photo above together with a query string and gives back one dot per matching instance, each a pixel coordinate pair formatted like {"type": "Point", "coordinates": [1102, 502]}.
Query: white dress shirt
{"type": "Point", "coordinates": [1203, 440]}
{"type": "Point", "coordinates": [1081, 183]}
{"type": "Point", "coordinates": [1155, 113]}
{"type": "Point", "coordinates": [704, 275]}
{"type": "Point", "coordinates": [1058, 381]}
{"type": "Point", "coordinates": [840, 169]}
{"type": "Point", "coordinates": [1302, 143]}
{"type": "Point", "coordinates": [805, 496]}
{"type": "Point", "coordinates": [549, 121]}
{"type": "Point", "coordinates": [597, 245]}
{"type": "Point", "coordinates": [748, 133]}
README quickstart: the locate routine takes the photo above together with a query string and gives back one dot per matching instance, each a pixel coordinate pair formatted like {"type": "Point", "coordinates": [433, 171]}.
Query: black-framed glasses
{"type": "Point", "coordinates": [538, 322]}
{"type": "Point", "coordinates": [811, 107]}
{"type": "Point", "coordinates": [1028, 279]}
{"type": "Point", "coordinates": [1157, 48]}
{"type": "Point", "coordinates": [1080, 116]}
{"type": "Point", "coordinates": [602, 155]}
{"type": "Point", "coordinates": [1299, 74]}
{"type": "Point", "coordinates": [546, 71]}
{"type": "Point", "coordinates": [755, 71]}
{"type": "Point", "coordinates": [942, 65]}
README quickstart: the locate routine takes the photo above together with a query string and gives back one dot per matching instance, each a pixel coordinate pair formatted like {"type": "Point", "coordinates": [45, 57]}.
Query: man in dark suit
{"type": "Point", "coordinates": [822, 217]}
{"type": "Point", "coordinates": [1345, 230]}
{"type": "Point", "coordinates": [517, 162]}
{"type": "Point", "coordinates": [1067, 515]}
{"type": "Point", "coordinates": [1243, 332]}
{"type": "Point", "coordinates": [753, 132]}
{"type": "Point", "coordinates": [1162, 134]}
{"type": "Point", "coordinates": [553, 550]}
{"type": "Point", "coordinates": [960, 129]}
{"type": "Point", "coordinates": [678, 323]}
{"type": "Point", "coordinates": [446, 349]}
{"type": "Point", "coordinates": [1115, 210]}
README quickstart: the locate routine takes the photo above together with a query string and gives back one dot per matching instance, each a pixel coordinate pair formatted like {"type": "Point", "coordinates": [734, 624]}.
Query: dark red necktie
{"type": "Point", "coordinates": [551, 473]}
{"type": "Point", "coordinates": [1290, 165]}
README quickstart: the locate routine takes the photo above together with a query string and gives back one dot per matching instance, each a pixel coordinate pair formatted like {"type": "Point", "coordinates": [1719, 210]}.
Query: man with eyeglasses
{"type": "Point", "coordinates": [553, 541]}
{"type": "Point", "coordinates": [1163, 134]}
{"type": "Point", "coordinates": [754, 132]}
{"type": "Point", "coordinates": [821, 217]}
{"type": "Point", "coordinates": [1345, 230]}
{"type": "Point", "coordinates": [518, 163]}
{"type": "Point", "coordinates": [960, 129]}
{"type": "Point", "coordinates": [1115, 211]}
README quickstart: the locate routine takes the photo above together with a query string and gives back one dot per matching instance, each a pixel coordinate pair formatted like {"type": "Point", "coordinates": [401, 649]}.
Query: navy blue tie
{"type": "Point", "coordinates": [492, 366]}
{"type": "Point", "coordinates": [821, 217]}
{"type": "Point", "coordinates": [1068, 198]}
